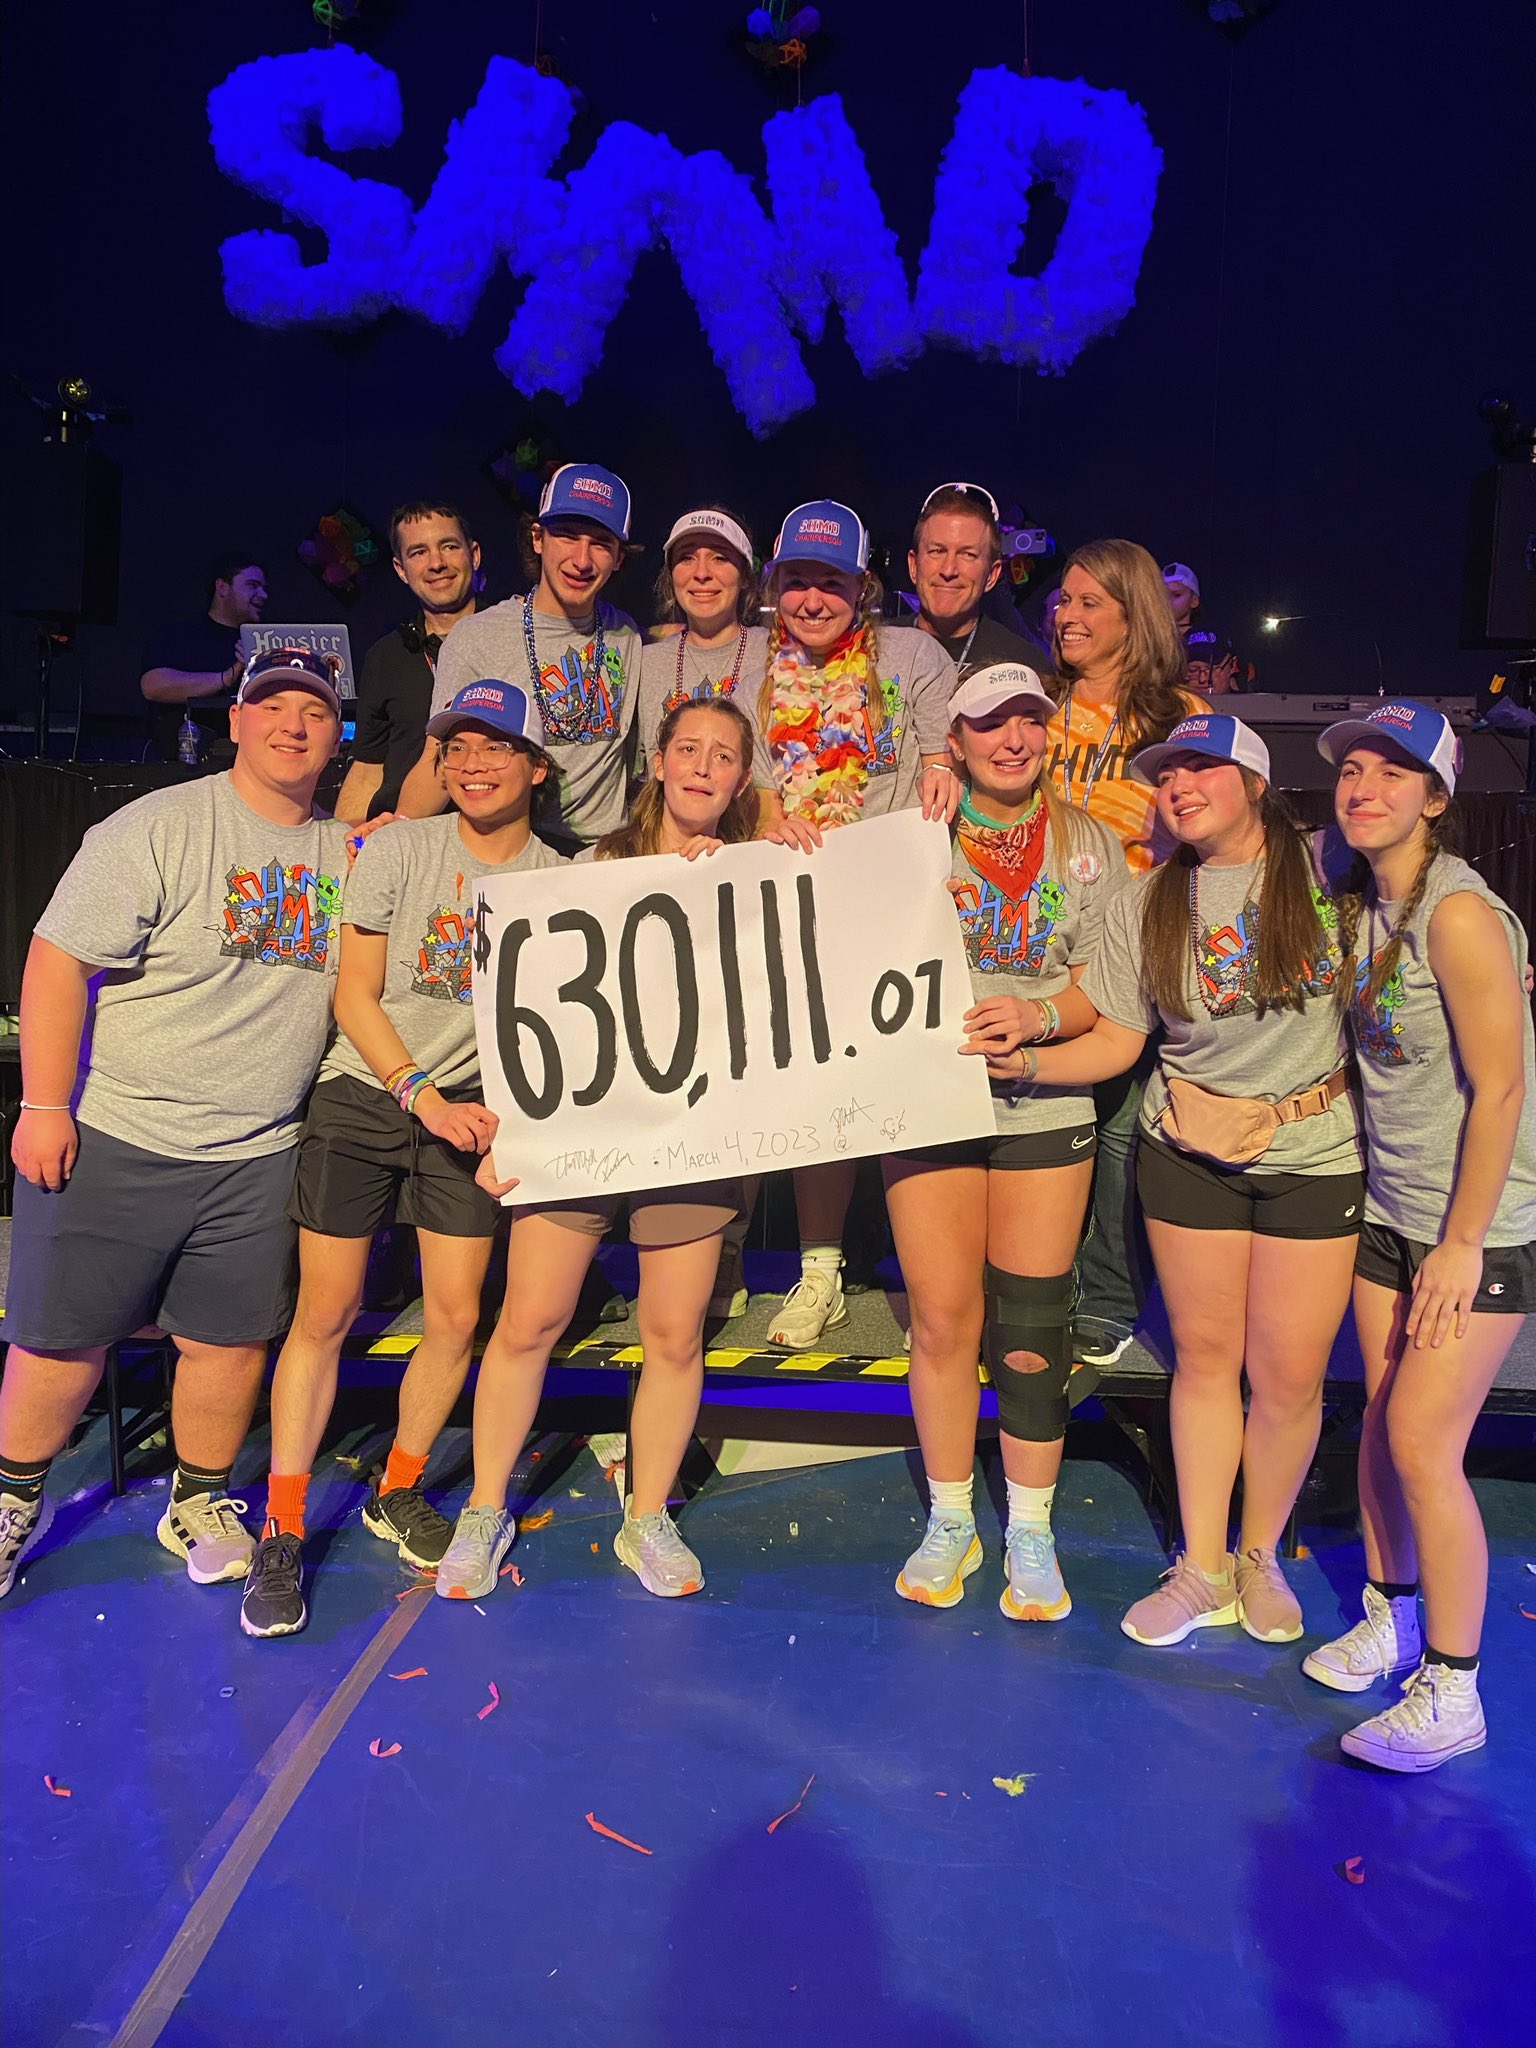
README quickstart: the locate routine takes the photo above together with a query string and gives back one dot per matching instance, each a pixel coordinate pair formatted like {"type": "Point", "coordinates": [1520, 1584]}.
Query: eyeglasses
{"type": "Point", "coordinates": [493, 753]}
{"type": "Point", "coordinates": [965, 491]}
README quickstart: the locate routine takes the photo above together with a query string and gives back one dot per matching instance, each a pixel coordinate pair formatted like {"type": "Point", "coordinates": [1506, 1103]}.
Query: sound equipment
{"type": "Point", "coordinates": [1315, 710]}
{"type": "Point", "coordinates": [60, 533]}
{"type": "Point", "coordinates": [1500, 600]}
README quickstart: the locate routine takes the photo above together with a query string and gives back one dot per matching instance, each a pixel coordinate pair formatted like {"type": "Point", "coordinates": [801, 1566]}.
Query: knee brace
{"type": "Point", "coordinates": [1035, 1316]}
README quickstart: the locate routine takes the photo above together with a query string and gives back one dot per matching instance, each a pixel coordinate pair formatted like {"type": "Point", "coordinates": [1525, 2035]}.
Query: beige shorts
{"type": "Point", "coordinates": [657, 1216]}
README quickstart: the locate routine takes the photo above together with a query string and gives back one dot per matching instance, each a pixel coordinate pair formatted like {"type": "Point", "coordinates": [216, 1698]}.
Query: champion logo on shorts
{"type": "Point", "coordinates": [1495, 1287]}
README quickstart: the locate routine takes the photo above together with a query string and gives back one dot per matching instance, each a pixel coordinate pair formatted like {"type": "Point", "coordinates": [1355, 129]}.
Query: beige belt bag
{"type": "Point", "coordinates": [1234, 1130]}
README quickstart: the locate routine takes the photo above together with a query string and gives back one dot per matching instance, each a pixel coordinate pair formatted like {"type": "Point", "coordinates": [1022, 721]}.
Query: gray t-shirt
{"type": "Point", "coordinates": [572, 700]}
{"type": "Point", "coordinates": [415, 880]}
{"type": "Point", "coordinates": [1235, 1051]}
{"type": "Point", "coordinates": [917, 679]}
{"type": "Point", "coordinates": [1026, 947]}
{"type": "Point", "coordinates": [218, 932]}
{"type": "Point", "coordinates": [1415, 1091]}
{"type": "Point", "coordinates": [706, 673]}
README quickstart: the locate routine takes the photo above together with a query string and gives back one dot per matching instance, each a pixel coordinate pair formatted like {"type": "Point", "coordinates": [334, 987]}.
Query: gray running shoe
{"type": "Point", "coordinates": [206, 1530]}
{"type": "Point", "coordinates": [657, 1555]}
{"type": "Point", "coordinates": [481, 1539]}
{"type": "Point", "coordinates": [936, 1572]}
{"type": "Point", "coordinates": [23, 1523]}
{"type": "Point", "coordinates": [1035, 1590]}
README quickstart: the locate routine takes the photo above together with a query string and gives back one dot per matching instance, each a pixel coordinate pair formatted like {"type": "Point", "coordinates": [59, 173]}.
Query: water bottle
{"type": "Point", "coordinates": [188, 742]}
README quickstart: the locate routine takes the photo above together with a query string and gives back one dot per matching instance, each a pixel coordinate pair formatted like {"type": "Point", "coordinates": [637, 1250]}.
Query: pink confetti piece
{"type": "Point", "coordinates": [1528, 1614]}
{"type": "Point", "coordinates": [59, 1791]}
{"type": "Point", "coordinates": [401, 1676]}
{"type": "Point", "coordinates": [784, 1816]}
{"type": "Point", "coordinates": [510, 1571]}
{"type": "Point", "coordinates": [1352, 1870]}
{"type": "Point", "coordinates": [375, 1750]}
{"type": "Point", "coordinates": [495, 1692]}
{"type": "Point", "coordinates": [623, 1840]}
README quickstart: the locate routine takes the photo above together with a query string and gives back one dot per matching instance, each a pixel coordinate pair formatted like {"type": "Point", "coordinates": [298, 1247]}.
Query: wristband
{"type": "Point", "coordinates": [1050, 1017]}
{"type": "Point", "coordinates": [1030, 1068]}
{"type": "Point", "coordinates": [50, 1107]}
{"type": "Point", "coordinates": [410, 1084]}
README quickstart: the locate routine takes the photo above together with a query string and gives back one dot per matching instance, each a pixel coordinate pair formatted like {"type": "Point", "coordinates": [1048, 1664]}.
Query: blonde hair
{"type": "Point", "coordinates": [1069, 827]}
{"type": "Point", "coordinates": [641, 831]}
{"type": "Point", "coordinates": [1150, 699]}
{"type": "Point", "coordinates": [871, 598]}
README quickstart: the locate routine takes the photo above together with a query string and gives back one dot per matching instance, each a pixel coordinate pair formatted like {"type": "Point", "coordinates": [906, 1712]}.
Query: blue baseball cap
{"type": "Point", "coordinates": [1208, 732]}
{"type": "Point", "coordinates": [585, 490]}
{"type": "Point", "coordinates": [1417, 730]}
{"type": "Point", "coordinates": [823, 531]}
{"type": "Point", "coordinates": [504, 708]}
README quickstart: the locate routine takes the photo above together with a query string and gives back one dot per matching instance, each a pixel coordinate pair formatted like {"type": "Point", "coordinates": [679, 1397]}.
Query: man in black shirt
{"type": "Point", "coordinates": [194, 661]}
{"type": "Point", "coordinates": [955, 559]}
{"type": "Point", "coordinates": [438, 561]}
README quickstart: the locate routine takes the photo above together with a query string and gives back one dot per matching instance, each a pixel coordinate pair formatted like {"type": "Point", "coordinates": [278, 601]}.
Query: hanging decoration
{"type": "Point", "coordinates": [521, 467]}
{"type": "Point", "coordinates": [341, 551]}
{"type": "Point", "coordinates": [1236, 17]}
{"type": "Point", "coordinates": [778, 40]}
{"type": "Point", "coordinates": [753, 280]}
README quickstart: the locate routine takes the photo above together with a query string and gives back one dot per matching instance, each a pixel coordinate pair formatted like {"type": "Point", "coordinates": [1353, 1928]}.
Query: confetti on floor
{"type": "Point", "coordinates": [784, 1816]}
{"type": "Point", "coordinates": [375, 1747]}
{"type": "Point", "coordinates": [528, 1522]}
{"type": "Point", "coordinates": [1352, 1869]}
{"type": "Point", "coordinates": [495, 1700]}
{"type": "Point", "coordinates": [401, 1676]}
{"type": "Point", "coordinates": [59, 1791]}
{"type": "Point", "coordinates": [623, 1840]}
{"type": "Point", "coordinates": [511, 1571]}
{"type": "Point", "coordinates": [1016, 1787]}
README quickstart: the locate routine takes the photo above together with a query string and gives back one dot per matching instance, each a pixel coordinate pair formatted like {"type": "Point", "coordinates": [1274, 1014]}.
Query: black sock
{"type": "Point", "coordinates": [1391, 1591]}
{"type": "Point", "coordinates": [1450, 1663]}
{"type": "Point", "coordinates": [190, 1480]}
{"type": "Point", "coordinates": [24, 1480]}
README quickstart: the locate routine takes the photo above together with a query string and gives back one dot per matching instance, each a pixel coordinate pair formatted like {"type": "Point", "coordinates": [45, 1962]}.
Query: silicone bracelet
{"type": "Point", "coordinates": [50, 1107]}
{"type": "Point", "coordinates": [1050, 1016]}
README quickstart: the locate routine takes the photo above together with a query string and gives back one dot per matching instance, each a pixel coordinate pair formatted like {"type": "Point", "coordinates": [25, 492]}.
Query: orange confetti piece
{"type": "Point", "coordinates": [375, 1750]}
{"type": "Point", "coordinates": [1352, 1870]}
{"type": "Point", "coordinates": [1528, 1614]}
{"type": "Point", "coordinates": [941, 1795]}
{"type": "Point", "coordinates": [495, 1692]}
{"type": "Point", "coordinates": [537, 1521]}
{"type": "Point", "coordinates": [59, 1791]}
{"type": "Point", "coordinates": [510, 1571]}
{"type": "Point", "coordinates": [419, 1672]}
{"type": "Point", "coordinates": [810, 1781]}
{"type": "Point", "coordinates": [594, 1550]}
{"type": "Point", "coordinates": [406, 1591]}
{"type": "Point", "coordinates": [623, 1840]}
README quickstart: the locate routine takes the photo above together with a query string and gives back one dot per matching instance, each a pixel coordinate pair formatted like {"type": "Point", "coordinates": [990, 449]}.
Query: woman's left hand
{"type": "Point", "coordinates": [485, 1177]}
{"type": "Point", "coordinates": [1002, 1024]}
{"type": "Point", "coordinates": [940, 793]}
{"type": "Point", "coordinates": [699, 843]}
{"type": "Point", "coordinates": [1444, 1294]}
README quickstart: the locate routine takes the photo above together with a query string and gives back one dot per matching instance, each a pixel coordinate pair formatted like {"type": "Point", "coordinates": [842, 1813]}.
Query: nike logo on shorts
{"type": "Point", "coordinates": [1079, 1143]}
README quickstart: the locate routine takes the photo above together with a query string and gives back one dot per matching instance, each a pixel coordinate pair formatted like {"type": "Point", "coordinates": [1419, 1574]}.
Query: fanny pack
{"type": "Point", "coordinates": [1234, 1130]}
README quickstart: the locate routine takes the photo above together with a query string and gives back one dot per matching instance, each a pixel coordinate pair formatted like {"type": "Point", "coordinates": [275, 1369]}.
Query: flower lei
{"type": "Point", "coordinates": [820, 732]}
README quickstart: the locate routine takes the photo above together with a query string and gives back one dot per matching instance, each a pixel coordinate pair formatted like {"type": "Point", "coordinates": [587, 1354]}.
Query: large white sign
{"type": "Point", "coordinates": [648, 1023]}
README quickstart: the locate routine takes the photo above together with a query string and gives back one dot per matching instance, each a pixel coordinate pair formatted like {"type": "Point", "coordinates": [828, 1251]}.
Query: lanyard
{"type": "Point", "coordinates": [965, 653]}
{"type": "Point", "coordinates": [1098, 760]}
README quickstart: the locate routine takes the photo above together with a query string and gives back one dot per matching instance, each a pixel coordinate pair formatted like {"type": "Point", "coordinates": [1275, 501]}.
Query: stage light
{"type": "Point", "coordinates": [1271, 624]}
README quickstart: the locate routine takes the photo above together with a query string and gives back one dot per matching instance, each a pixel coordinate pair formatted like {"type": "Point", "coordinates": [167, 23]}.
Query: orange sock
{"type": "Point", "coordinates": [285, 1503]}
{"type": "Point", "coordinates": [401, 1469]}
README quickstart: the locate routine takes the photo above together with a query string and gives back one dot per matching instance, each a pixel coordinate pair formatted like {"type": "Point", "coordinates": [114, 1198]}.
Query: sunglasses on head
{"type": "Point", "coordinates": [965, 491]}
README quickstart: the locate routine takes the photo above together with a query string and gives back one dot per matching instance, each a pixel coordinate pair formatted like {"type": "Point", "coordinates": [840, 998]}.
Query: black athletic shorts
{"type": "Point", "coordinates": [1509, 1271]}
{"type": "Point", "coordinates": [1015, 1153]}
{"type": "Point", "coordinates": [200, 1248]}
{"type": "Point", "coordinates": [1197, 1194]}
{"type": "Point", "coordinates": [361, 1156]}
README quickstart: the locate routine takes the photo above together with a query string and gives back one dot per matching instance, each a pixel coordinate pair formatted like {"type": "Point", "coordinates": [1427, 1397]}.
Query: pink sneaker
{"type": "Point", "coordinates": [1184, 1600]}
{"type": "Point", "coordinates": [1266, 1606]}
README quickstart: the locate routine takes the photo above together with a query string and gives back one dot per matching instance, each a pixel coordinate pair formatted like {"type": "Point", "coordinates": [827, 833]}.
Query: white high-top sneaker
{"type": "Point", "coordinates": [1439, 1716]}
{"type": "Point", "coordinates": [1385, 1644]}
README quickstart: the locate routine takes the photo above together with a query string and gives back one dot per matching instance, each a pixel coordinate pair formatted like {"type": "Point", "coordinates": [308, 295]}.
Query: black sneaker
{"type": "Point", "coordinates": [405, 1517]}
{"type": "Point", "coordinates": [273, 1601]}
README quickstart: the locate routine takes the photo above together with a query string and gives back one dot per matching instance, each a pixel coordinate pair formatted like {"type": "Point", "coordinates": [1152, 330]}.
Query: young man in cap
{"type": "Point", "coordinates": [211, 913]}
{"type": "Point", "coordinates": [396, 1121]}
{"type": "Point", "coordinates": [438, 561]}
{"type": "Point", "coordinates": [956, 557]}
{"type": "Point", "coordinates": [577, 658]}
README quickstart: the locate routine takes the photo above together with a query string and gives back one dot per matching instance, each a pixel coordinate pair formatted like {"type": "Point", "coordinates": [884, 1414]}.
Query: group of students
{"type": "Point", "coordinates": [1317, 1052]}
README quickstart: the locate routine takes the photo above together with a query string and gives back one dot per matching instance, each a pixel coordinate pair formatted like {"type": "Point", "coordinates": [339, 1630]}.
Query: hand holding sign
{"type": "Point", "coordinates": [653, 1022]}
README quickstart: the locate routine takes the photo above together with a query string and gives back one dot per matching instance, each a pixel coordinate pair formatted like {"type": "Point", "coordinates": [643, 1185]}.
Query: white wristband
{"type": "Point", "coordinates": [50, 1107]}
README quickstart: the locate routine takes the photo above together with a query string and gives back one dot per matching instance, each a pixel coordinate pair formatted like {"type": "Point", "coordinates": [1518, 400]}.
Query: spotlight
{"type": "Point", "coordinates": [1271, 623]}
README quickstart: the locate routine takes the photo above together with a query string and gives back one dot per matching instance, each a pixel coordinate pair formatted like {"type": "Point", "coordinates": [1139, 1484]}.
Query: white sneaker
{"type": "Point", "coordinates": [815, 1303]}
{"type": "Point", "coordinates": [730, 1297]}
{"type": "Point", "coordinates": [1439, 1716]}
{"type": "Point", "coordinates": [1385, 1644]}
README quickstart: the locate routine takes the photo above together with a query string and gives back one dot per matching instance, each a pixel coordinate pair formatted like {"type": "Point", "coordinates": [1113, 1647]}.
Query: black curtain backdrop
{"type": "Point", "coordinates": [1339, 267]}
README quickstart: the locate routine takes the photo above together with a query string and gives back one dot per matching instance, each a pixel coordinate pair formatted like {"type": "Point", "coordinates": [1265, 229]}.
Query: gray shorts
{"type": "Point", "coordinates": [204, 1250]}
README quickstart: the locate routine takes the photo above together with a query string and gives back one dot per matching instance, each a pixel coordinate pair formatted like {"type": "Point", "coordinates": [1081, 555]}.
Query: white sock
{"type": "Point", "coordinates": [952, 1498]}
{"type": "Point", "coordinates": [1029, 1504]}
{"type": "Point", "coordinates": [822, 1258]}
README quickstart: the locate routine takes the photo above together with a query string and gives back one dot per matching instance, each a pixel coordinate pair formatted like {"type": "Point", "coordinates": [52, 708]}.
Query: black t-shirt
{"type": "Point", "coordinates": [197, 647]}
{"type": "Point", "coordinates": [394, 701]}
{"type": "Point", "coordinates": [990, 642]}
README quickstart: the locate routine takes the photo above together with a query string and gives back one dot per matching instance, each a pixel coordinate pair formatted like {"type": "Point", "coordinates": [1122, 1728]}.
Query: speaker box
{"type": "Point", "coordinates": [61, 532]}
{"type": "Point", "coordinates": [1500, 606]}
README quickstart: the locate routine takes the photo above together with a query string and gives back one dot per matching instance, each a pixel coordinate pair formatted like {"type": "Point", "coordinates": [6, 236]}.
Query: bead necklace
{"type": "Point", "coordinates": [724, 687]}
{"type": "Point", "coordinates": [593, 717]}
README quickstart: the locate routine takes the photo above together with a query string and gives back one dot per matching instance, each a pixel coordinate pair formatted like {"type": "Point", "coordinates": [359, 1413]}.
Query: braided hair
{"type": "Point", "coordinates": [1355, 895]}
{"type": "Point", "coordinates": [867, 643]}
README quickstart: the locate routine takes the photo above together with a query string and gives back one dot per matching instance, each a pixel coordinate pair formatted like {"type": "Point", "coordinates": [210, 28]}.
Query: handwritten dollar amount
{"type": "Point", "coordinates": [606, 986]}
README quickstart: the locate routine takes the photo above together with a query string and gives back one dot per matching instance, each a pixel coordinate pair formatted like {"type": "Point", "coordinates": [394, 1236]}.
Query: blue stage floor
{"type": "Point", "coordinates": [236, 1869]}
